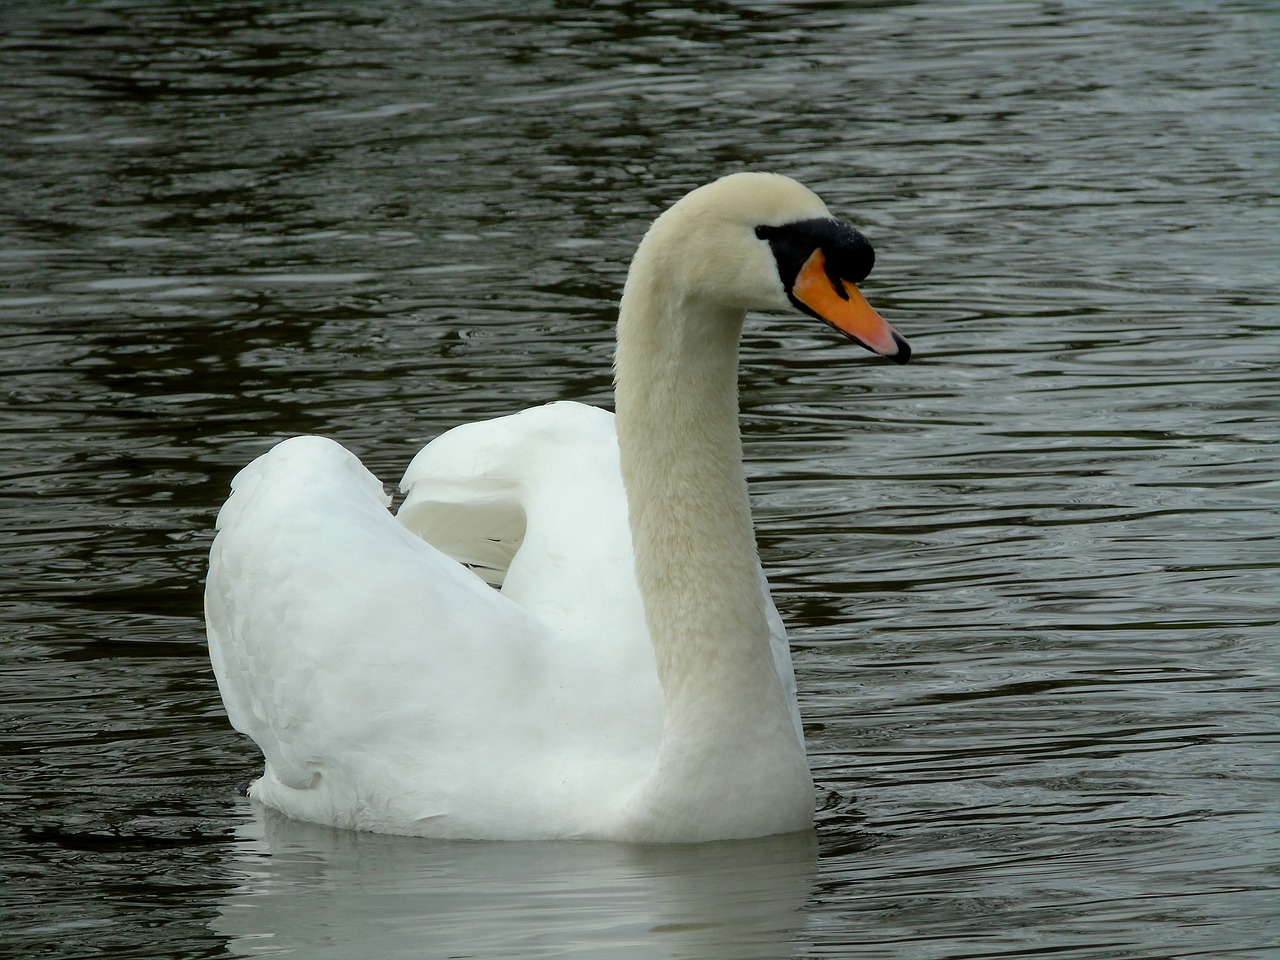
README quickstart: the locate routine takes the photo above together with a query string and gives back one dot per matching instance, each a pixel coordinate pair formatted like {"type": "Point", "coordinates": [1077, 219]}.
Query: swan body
{"type": "Point", "coordinates": [629, 677]}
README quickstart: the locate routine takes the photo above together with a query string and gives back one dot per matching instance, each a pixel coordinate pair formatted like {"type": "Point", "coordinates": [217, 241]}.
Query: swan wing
{"type": "Point", "coordinates": [388, 686]}
{"type": "Point", "coordinates": [385, 684]}
{"type": "Point", "coordinates": [535, 503]}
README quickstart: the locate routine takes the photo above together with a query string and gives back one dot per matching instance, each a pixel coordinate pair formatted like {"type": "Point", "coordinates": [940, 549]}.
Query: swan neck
{"type": "Point", "coordinates": [690, 516]}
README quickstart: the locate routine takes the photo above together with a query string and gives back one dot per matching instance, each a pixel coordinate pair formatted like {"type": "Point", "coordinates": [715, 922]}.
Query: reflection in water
{"type": "Point", "coordinates": [331, 894]}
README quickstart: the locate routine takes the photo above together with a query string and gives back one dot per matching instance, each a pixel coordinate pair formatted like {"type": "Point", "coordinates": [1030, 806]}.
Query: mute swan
{"type": "Point", "coordinates": [630, 680]}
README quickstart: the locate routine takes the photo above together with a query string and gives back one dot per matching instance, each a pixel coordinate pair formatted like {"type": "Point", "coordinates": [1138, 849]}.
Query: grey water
{"type": "Point", "coordinates": [1030, 578]}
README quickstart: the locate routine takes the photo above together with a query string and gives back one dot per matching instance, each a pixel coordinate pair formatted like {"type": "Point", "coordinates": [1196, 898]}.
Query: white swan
{"type": "Point", "coordinates": [630, 680]}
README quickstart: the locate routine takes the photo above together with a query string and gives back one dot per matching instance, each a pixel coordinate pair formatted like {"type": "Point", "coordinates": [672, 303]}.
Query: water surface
{"type": "Point", "coordinates": [1030, 578]}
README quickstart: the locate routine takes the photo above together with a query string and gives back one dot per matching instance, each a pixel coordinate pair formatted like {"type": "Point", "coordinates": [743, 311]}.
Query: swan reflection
{"type": "Point", "coordinates": [325, 893]}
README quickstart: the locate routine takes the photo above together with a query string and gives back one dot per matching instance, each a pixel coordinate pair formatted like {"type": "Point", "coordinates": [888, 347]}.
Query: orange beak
{"type": "Point", "coordinates": [842, 305]}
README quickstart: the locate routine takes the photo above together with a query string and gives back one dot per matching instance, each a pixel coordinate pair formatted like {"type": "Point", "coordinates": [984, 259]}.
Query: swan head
{"type": "Point", "coordinates": [761, 241]}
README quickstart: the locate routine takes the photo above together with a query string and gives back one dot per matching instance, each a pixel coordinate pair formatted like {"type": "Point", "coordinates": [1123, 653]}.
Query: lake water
{"type": "Point", "coordinates": [1030, 578]}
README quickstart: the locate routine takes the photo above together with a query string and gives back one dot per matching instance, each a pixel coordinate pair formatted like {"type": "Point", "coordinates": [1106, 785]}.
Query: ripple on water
{"type": "Point", "coordinates": [1030, 577]}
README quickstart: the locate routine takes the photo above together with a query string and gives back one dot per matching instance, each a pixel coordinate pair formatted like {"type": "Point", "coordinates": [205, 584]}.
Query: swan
{"type": "Point", "coordinates": [565, 631]}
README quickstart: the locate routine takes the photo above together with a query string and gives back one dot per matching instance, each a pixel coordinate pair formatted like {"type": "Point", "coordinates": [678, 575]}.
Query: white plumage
{"type": "Point", "coordinates": [630, 679]}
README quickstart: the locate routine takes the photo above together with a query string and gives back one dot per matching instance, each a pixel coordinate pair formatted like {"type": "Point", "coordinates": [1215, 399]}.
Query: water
{"type": "Point", "coordinates": [1030, 578]}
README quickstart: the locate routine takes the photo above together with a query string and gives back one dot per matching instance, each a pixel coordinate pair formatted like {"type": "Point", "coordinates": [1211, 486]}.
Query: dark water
{"type": "Point", "coordinates": [1031, 579]}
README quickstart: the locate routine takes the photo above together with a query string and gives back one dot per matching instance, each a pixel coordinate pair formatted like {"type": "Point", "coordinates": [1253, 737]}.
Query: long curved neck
{"type": "Point", "coordinates": [730, 763]}
{"type": "Point", "coordinates": [695, 550]}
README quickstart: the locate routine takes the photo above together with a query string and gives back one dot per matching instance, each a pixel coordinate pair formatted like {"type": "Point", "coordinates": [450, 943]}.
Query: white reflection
{"type": "Point", "coordinates": [324, 893]}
